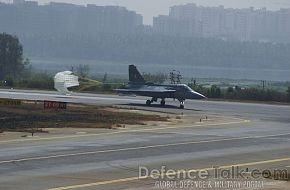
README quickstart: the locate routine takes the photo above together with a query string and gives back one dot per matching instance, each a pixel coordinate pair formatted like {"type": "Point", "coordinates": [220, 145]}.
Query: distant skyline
{"type": "Point", "coordinates": [150, 8]}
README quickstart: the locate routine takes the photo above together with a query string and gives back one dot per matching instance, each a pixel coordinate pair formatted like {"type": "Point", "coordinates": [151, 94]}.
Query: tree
{"type": "Point", "coordinates": [288, 93]}
{"type": "Point", "coordinates": [105, 78]}
{"type": "Point", "coordinates": [83, 70]}
{"type": "Point", "coordinates": [230, 90]}
{"type": "Point", "coordinates": [156, 78]}
{"type": "Point", "coordinates": [215, 91]}
{"type": "Point", "coordinates": [11, 56]}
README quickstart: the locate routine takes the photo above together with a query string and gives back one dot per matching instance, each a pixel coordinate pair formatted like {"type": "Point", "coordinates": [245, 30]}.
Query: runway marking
{"type": "Point", "coordinates": [98, 183]}
{"type": "Point", "coordinates": [145, 177]}
{"type": "Point", "coordinates": [135, 148]}
{"type": "Point", "coordinates": [126, 131]}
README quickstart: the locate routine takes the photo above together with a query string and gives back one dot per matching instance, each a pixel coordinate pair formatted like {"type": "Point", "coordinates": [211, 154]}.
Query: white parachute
{"type": "Point", "coordinates": [64, 80]}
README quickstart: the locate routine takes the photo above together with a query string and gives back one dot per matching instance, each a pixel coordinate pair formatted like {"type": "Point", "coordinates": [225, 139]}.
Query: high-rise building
{"type": "Point", "coordinates": [66, 19]}
{"type": "Point", "coordinates": [239, 24]}
{"type": "Point", "coordinates": [17, 2]}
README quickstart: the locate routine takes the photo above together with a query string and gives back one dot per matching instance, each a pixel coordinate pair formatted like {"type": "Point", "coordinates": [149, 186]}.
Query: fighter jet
{"type": "Point", "coordinates": [138, 86]}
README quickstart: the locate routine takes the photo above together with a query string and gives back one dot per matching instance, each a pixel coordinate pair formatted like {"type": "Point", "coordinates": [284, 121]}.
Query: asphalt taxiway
{"type": "Point", "coordinates": [247, 134]}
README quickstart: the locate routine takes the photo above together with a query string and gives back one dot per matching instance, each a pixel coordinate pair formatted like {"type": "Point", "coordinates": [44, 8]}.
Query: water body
{"type": "Point", "coordinates": [193, 71]}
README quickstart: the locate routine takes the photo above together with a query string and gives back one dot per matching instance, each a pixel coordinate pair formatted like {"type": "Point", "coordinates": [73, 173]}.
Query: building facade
{"type": "Point", "coordinates": [229, 24]}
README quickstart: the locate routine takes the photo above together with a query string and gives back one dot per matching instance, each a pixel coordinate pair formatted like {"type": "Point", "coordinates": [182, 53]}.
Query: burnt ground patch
{"type": "Point", "coordinates": [29, 116]}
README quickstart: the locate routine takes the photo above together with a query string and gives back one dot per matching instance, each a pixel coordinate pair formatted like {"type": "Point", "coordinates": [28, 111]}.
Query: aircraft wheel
{"type": "Point", "coordinates": [148, 102]}
{"type": "Point", "coordinates": [162, 102]}
{"type": "Point", "coordinates": [181, 106]}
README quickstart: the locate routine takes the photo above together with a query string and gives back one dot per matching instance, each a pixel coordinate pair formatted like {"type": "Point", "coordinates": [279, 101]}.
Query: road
{"type": "Point", "coordinates": [260, 138]}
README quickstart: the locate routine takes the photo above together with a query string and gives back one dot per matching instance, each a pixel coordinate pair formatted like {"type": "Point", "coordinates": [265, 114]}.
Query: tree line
{"type": "Point", "coordinates": [11, 59]}
{"type": "Point", "coordinates": [160, 49]}
{"type": "Point", "coordinates": [238, 93]}
{"type": "Point", "coordinates": [15, 71]}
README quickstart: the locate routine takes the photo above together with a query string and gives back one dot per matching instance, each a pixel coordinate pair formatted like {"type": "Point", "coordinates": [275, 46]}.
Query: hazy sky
{"type": "Point", "coordinates": [150, 8]}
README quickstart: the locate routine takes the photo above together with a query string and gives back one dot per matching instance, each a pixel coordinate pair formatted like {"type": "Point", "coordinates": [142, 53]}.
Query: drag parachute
{"type": "Point", "coordinates": [64, 80]}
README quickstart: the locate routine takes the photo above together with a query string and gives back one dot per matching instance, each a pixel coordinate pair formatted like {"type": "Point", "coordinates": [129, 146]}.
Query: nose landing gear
{"type": "Point", "coordinates": [181, 104]}
{"type": "Point", "coordinates": [162, 103]}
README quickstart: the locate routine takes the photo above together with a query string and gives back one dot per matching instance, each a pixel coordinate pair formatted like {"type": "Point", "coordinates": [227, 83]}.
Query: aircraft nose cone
{"type": "Point", "coordinates": [201, 96]}
{"type": "Point", "coordinates": [196, 95]}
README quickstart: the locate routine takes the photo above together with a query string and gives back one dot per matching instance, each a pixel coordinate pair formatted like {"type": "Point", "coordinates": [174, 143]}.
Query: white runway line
{"type": "Point", "coordinates": [136, 148]}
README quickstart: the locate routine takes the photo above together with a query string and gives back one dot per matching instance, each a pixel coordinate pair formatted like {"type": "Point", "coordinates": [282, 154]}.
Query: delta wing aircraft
{"type": "Point", "coordinates": [138, 86]}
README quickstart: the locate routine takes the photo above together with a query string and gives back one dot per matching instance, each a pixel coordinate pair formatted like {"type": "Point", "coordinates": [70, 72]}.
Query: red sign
{"type": "Point", "coordinates": [54, 105]}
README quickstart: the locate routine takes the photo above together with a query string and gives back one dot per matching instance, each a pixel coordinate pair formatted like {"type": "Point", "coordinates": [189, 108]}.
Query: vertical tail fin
{"type": "Point", "coordinates": [134, 75]}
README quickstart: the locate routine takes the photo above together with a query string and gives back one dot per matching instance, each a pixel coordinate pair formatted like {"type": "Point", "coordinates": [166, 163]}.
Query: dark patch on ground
{"type": "Point", "coordinates": [158, 106]}
{"type": "Point", "coordinates": [279, 176]}
{"type": "Point", "coordinates": [32, 116]}
{"type": "Point", "coordinates": [275, 119]}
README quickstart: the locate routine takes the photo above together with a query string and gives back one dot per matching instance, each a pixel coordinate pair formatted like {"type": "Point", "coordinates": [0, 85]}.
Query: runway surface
{"type": "Point", "coordinates": [259, 138]}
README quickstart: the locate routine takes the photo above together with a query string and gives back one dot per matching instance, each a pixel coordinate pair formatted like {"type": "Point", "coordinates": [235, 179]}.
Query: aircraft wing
{"type": "Point", "coordinates": [144, 90]}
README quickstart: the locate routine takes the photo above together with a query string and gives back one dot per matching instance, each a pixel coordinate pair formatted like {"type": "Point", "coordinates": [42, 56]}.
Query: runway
{"type": "Point", "coordinates": [256, 136]}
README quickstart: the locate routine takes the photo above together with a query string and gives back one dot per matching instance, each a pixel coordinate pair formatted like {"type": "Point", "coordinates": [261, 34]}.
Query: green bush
{"type": "Point", "coordinates": [288, 94]}
{"type": "Point", "coordinates": [38, 81]}
{"type": "Point", "coordinates": [8, 81]}
{"type": "Point", "coordinates": [236, 93]}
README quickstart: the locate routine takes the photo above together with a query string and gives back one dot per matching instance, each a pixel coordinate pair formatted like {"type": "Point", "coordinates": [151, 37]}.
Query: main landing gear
{"type": "Point", "coordinates": [149, 102]}
{"type": "Point", "coordinates": [162, 102]}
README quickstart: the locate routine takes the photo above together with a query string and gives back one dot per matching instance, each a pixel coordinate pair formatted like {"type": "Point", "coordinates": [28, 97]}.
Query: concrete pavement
{"type": "Point", "coordinates": [251, 135]}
